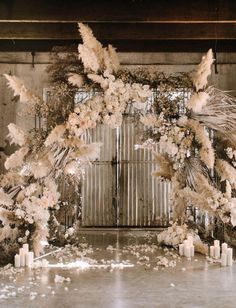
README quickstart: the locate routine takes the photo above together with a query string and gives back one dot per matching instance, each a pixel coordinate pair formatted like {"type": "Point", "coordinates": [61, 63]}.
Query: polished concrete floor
{"type": "Point", "coordinates": [120, 269]}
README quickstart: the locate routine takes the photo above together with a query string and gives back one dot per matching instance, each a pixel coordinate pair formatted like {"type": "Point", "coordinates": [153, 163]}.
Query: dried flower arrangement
{"type": "Point", "coordinates": [187, 155]}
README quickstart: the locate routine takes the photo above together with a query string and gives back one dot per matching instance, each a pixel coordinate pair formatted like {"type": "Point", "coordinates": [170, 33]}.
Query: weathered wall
{"type": "Point", "coordinates": [20, 64]}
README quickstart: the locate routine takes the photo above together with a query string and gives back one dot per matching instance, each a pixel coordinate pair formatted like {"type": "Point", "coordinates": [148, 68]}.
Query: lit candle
{"type": "Point", "coordinates": [17, 260]}
{"type": "Point", "coordinates": [217, 252]}
{"type": "Point", "coordinates": [22, 257]}
{"type": "Point", "coordinates": [29, 258]}
{"type": "Point", "coordinates": [216, 243]}
{"type": "Point", "coordinates": [224, 247]}
{"type": "Point", "coordinates": [181, 249]}
{"type": "Point", "coordinates": [229, 256]}
{"type": "Point", "coordinates": [26, 248]}
{"type": "Point", "coordinates": [223, 259]}
{"type": "Point", "coordinates": [212, 251]}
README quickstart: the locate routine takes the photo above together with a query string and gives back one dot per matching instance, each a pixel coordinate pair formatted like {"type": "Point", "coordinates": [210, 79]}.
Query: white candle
{"type": "Point", "coordinates": [181, 249]}
{"type": "Point", "coordinates": [192, 250]}
{"type": "Point", "coordinates": [44, 263]}
{"type": "Point", "coordinates": [187, 251]}
{"type": "Point", "coordinates": [26, 248]}
{"type": "Point", "coordinates": [224, 247]}
{"type": "Point", "coordinates": [22, 257]}
{"type": "Point", "coordinates": [229, 256]}
{"type": "Point", "coordinates": [223, 259]}
{"type": "Point", "coordinates": [216, 243]}
{"type": "Point", "coordinates": [17, 260]}
{"type": "Point", "coordinates": [190, 239]}
{"type": "Point", "coordinates": [217, 252]}
{"type": "Point", "coordinates": [29, 258]}
{"type": "Point", "coordinates": [212, 251]}
{"type": "Point", "coordinates": [185, 242]}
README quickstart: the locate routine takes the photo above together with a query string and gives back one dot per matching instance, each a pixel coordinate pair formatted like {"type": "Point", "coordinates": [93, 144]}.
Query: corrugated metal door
{"type": "Point", "coordinates": [142, 200]}
{"type": "Point", "coordinates": [119, 190]}
{"type": "Point", "coordinates": [99, 190]}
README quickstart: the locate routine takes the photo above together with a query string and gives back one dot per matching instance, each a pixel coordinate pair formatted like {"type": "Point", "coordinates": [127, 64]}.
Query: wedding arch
{"type": "Point", "coordinates": [195, 137]}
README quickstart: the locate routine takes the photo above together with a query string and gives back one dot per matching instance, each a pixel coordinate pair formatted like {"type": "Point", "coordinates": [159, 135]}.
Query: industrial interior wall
{"type": "Point", "coordinates": [33, 73]}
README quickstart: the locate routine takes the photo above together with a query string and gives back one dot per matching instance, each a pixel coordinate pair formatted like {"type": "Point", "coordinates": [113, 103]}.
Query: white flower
{"type": "Point", "coordinates": [41, 168]}
{"type": "Point", "coordinates": [114, 120]}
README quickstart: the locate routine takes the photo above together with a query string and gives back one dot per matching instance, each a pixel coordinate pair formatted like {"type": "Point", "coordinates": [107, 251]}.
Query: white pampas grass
{"type": "Point", "coordinates": [204, 70]}
{"type": "Point", "coordinates": [26, 96]}
{"type": "Point", "coordinates": [197, 101]}
{"type": "Point", "coordinates": [56, 135]}
{"type": "Point", "coordinates": [16, 159]}
{"type": "Point", "coordinates": [114, 60]}
{"type": "Point", "coordinates": [165, 166]}
{"type": "Point", "coordinates": [5, 199]}
{"type": "Point", "coordinates": [206, 152]}
{"type": "Point", "coordinates": [16, 134]}
{"type": "Point", "coordinates": [99, 79]}
{"type": "Point", "coordinates": [226, 172]}
{"type": "Point", "coordinates": [94, 57]}
{"type": "Point", "coordinates": [111, 61]}
{"type": "Point", "coordinates": [76, 80]}
{"type": "Point", "coordinates": [89, 58]}
{"type": "Point", "coordinates": [88, 38]}
{"type": "Point", "coordinates": [91, 51]}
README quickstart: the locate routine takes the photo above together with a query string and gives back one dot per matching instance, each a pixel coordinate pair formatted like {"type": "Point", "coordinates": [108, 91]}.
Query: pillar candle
{"type": "Point", "coordinates": [29, 258]}
{"type": "Point", "coordinates": [217, 252]}
{"type": "Point", "coordinates": [224, 247]}
{"type": "Point", "coordinates": [190, 239]}
{"type": "Point", "coordinates": [216, 243]}
{"type": "Point", "coordinates": [44, 263]}
{"type": "Point", "coordinates": [192, 250]}
{"type": "Point", "coordinates": [212, 251]}
{"type": "Point", "coordinates": [17, 260]}
{"type": "Point", "coordinates": [223, 259]}
{"type": "Point", "coordinates": [187, 251]}
{"type": "Point", "coordinates": [229, 256]}
{"type": "Point", "coordinates": [181, 249]}
{"type": "Point", "coordinates": [26, 248]}
{"type": "Point", "coordinates": [22, 257]}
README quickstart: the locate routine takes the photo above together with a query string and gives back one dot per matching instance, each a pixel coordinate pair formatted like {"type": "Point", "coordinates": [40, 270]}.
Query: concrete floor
{"type": "Point", "coordinates": [137, 282]}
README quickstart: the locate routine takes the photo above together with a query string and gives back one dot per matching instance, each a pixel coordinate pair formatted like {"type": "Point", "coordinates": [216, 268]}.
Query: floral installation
{"type": "Point", "coordinates": [185, 132]}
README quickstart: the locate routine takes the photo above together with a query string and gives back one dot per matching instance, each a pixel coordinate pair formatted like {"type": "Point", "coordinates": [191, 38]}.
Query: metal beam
{"type": "Point", "coordinates": [122, 45]}
{"type": "Point", "coordinates": [119, 31]}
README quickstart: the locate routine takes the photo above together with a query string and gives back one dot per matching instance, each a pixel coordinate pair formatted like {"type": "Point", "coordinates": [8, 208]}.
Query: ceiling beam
{"type": "Point", "coordinates": [122, 45]}
{"type": "Point", "coordinates": [119, 31]}
{"type": "Point", "coordinates": [119, 11]}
